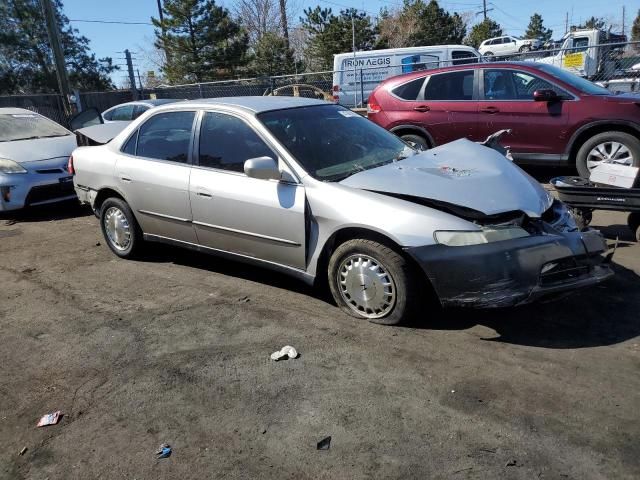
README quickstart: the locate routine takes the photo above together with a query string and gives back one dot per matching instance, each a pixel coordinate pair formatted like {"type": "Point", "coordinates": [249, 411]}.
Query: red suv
{"type": "Point", "coordinates": [555, 116]}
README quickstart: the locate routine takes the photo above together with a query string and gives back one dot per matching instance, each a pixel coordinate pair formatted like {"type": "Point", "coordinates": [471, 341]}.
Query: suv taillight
{"type": "Point", "coordinates": [373, 107]}
{"type": "Point", "coordinates": [70, 168]}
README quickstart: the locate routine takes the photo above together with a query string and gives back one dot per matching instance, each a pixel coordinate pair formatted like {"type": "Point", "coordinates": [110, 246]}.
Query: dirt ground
{"type": "Point", "coordinates": [175, 349]}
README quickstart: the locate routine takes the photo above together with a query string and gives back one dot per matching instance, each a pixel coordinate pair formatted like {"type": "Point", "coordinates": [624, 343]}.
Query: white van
{"type": "Point", "coordinates": [355, 75]}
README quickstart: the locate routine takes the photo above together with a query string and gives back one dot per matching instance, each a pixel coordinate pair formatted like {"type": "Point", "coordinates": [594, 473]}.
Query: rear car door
{"type": "Point", "coordinates": [445, 106]}
{"type": "Point", "coordinates": [232, 212]}
{"type": "Point", "coordinates": [537, 128]}
{"type": "Point", "coordinates": [153, 173]}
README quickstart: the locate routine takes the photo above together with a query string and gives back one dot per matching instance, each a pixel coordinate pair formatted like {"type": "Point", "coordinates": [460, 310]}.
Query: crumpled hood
{"type": "Point", "coordinates": [461, 173]}
{"type": "Point", "coordinates": [23, 151]}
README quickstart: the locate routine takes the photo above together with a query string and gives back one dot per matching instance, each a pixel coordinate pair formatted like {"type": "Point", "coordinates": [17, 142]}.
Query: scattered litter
{"type": "Point", "coordinates": [453, 391]}
{"type": "Point", "coordinates": [512, 463]}
{"type": "Point", "coordinates": [264, 430]}
{"type": "Point", "coordinates": [98, 244]}
{"type": "Point", "coordinates": [163, 451]}
{"type": "Point", "coordinates": [50, 419]}
{"type": "Point", "coordinates": [244, 300]}
{"type": "Point", "coordinates": [325, 443]}
{"type": "Point", "coordinates": [28, 270]}
{"type": "Point", "coordinates": [286, 351]}
{"type": "Point", "coordinates": [23, 451]}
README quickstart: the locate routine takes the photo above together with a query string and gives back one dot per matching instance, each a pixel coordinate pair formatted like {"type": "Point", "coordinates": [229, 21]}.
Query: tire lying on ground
{"type": "Point", "coordinates": [371, 281]}
{"type": "Point", "coordinates": [606, 143]}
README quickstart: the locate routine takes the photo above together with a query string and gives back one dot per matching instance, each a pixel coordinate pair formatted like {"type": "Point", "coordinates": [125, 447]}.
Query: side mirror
{"type": "Point", "coordinates": [86, 118]}
{"type": "Point", "coordinates": [545, 95]}
{"type": "Point", "coordinates": [264, 168]}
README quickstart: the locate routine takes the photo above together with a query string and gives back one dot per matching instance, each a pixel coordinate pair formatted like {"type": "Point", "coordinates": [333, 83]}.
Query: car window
{"type": "Point", "coordinates": [409, 90]}
{"type": "Point", "coordinates": [139, 110]}
{"type": "Point", "coordinates": [166, 136]}
{"type": "Point", "coordinates": [25, 126]}
{"type": "Point", "coordinates": [450, 86]}
{"type": "Point", "coordinates": [122, 113]}
{"type": "Point", "coordinates": [226, 142]}
{"type": "Point", "coordinates": [130, 147]}
{"type": "Point", "coordinates": [580, 44]}
{"type": "Point", "coordinates": [107, 115]}
{"type": "Point", "coordinates": [515, 85]}
{"type": "Point", "coordinates": [462, 57]}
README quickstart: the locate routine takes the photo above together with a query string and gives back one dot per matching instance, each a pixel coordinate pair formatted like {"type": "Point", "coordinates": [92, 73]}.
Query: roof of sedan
{"type": "Point", "coordinates": [256, 104]}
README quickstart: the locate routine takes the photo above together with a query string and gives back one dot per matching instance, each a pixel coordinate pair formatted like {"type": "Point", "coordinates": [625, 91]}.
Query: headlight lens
{"type": "Point", "coordinates": [9, 166]}
{"type": "Point", "coordinates": [457, 238]}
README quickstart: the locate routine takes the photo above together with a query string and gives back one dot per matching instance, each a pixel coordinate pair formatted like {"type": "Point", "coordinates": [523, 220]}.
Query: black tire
{"type": "Point", "coordinates": [582, 216]}
{"type": "Point", "coordinates": [634, 224]}
{"type": "Point", "coordinates": [525, 49]}
{"type": "Point", "coordinates": [418, 141]}
{"type": "Point", "coordinates": [629, 141]}
{"type": "Point", "coordinates": [135, 239]}
{"type": "Point", "coordinates": [393, 265]}
{"type": "Point", "coordinates": [488, 54]}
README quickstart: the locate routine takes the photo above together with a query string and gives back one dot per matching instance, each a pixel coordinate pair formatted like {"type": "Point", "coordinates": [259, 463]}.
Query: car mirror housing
{"type": "Point", "coordinates": [264, 168]}
{"type": "Point", "coordinates": [545, 95]}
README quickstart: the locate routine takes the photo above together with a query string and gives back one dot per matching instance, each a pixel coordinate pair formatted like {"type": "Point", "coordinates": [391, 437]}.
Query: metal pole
{"type": "Point", "coordinates": [58, 54]}
{"type": "Point", "coordinates": [361, 88]}
{"type": "Point", "coordinates": [484, 8]}
{"type": "Point", "coordinates": [353, 37]}
{"type": "Point", "coordinates": [132, 78]}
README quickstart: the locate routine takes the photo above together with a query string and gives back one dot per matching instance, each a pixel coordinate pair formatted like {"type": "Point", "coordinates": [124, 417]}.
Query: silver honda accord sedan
{"type": "Point", "coordinates": [314, 190]}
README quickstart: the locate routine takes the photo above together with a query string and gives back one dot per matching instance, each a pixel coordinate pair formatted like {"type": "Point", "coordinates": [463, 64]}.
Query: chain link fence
{"type": "Point", "coordinates": [612, 64]}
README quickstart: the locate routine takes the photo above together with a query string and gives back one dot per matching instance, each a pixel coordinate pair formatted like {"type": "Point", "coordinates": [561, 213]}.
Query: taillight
{"type": "Point", "coordinates": [373, 107]}
{"type": "Point", "coordinates": [70, 168]}
{"type": "Point", "coordinates": [336, 89]}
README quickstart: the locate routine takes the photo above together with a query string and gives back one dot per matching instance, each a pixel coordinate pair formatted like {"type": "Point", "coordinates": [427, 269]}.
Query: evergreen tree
{"type": "Point", "coordinates": [482, 31]}
{"type": "Point", "coordinates": [635, 30]}
{"type": "Point", "coordinates": [330, 34]}
{"type": "Point", "coordinates": [201, 41]}
{"type": "Point", "coordinates": [26, 59]}
{"type": "Point", "coordinates": [536, 29]}
{"type": "Point", "coordinates": [272, 56]}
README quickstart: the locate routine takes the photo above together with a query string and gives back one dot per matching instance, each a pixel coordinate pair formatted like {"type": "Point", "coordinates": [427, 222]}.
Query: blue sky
{"type": "Point", "coordinates": [513, 15]}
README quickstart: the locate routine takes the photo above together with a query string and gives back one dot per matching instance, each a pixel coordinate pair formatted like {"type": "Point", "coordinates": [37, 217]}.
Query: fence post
{"type": "Point", "coordinates": [271, 85]}
{"type": "Point", "coordinates": [200, 90]}
{"type": "Point", "coordinates": [361, 89]}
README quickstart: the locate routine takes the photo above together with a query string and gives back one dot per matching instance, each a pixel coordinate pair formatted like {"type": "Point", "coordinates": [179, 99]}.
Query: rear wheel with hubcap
{"type": "Point", "coordinates": [120, 228]}
{"type": "Point", "coordinates": [371, 281]}
{"type": "Point", "coordinates": [615, 147]}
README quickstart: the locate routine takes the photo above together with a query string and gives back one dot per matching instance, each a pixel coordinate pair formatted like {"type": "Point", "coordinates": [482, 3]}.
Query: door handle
{"type": "Point", "coordinates": [422, 108]}
{"type": "Point", "coordinates": [204, 194]}
{"type": "Point", "coordinates": [125, 179]}
{"type": "Point", "coordinates": [490, 110]}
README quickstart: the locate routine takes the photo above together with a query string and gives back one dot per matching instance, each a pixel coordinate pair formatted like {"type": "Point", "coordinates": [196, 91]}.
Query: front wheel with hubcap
{"type": "Point", "coordinates": [416, 141]}
{"type": "Point", "coordinates": [615, 147]}
{"type": "Point", "coordinates": [371, 281]}
{"type": "Point", "coordinates": [119, 227]}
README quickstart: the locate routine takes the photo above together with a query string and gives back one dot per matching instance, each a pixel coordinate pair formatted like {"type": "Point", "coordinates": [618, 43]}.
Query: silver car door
{"type": "Point", "coordinates": [153, 171]}
{"type": "Point", "coordinates": [258, 218]}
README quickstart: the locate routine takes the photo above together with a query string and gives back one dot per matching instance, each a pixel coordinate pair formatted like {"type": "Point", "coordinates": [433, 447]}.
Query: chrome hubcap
{"type": "Point", "coordinates": [117, 227]}
{"type": "Point", "coordinates": [366, 286]}
{"type": "Point", "coordinates": [614, 152]}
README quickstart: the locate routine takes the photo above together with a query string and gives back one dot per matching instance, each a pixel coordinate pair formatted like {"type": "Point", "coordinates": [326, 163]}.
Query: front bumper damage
{"type": "Point", "coordinates": [514, 272]}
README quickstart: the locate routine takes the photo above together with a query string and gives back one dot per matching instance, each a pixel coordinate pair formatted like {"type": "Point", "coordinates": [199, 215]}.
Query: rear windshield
{"type": "Point", "coordinates": [574, 80]}
{"type": "Point", "coordinates": [26, 126]}
{"type": "Point", "coordinates": [331, 142]}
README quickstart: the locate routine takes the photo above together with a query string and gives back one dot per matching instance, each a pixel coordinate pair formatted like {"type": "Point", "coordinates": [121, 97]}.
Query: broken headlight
{"type": "Point", "coordinates": [458, 238]}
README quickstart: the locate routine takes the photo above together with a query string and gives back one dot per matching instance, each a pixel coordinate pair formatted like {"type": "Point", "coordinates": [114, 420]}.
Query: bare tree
{"type": "Point", "coordinates": [258, 17]}
{"type": "Point", "coordinates": [396, 29]}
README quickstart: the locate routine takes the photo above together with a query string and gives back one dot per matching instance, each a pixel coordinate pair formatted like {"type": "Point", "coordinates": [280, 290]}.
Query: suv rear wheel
{"type": "Point", "coordinates": [416, 141]}
{"type": "Point", "coordinates": [618, 147]}
{"type": "Point", "coordinates": [371, 281]}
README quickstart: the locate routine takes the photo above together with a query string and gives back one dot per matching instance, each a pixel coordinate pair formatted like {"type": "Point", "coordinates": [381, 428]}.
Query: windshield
{"type": "Point", "coordinates": [332, 142]}
{"type": "Point", "coordinates": [579, 83]}
{"type": "Point", "coordinates": [25, 126]}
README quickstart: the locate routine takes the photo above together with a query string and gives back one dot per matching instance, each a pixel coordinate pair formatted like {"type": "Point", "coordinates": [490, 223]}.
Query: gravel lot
{"type": "Point", "coordinates": [176, 349]}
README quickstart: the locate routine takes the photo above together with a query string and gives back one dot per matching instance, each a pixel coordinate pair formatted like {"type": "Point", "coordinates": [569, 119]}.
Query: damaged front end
{"type": "Point", "coordinates": [514, 261]}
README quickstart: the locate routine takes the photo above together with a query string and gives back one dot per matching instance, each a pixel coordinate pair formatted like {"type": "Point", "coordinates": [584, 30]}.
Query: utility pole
{"type": "Point", "coordinates": [484, 8]}
{"type": "Point", "coordinates": [132, 78]}
{"type": "Point", "coordinates": [53, 32]}
{"type": "Point", "coordinates": [284, 22]}
{"type": "Point", "coordinates": [566, 23]}
{"type": "Point", "coordinates": [353, 38]}
{"type": "Point", "coordinates": [623, 19]}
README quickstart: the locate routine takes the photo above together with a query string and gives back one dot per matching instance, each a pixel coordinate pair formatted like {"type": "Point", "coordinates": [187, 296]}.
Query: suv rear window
{"type": "Point", "coordinates": [409, 90]}
{"type": "Point", "coordinates": [450, 86]}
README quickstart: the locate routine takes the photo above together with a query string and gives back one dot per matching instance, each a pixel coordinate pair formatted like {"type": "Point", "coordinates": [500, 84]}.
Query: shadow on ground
{"type": "Point", "coordinates": [46, 213]}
